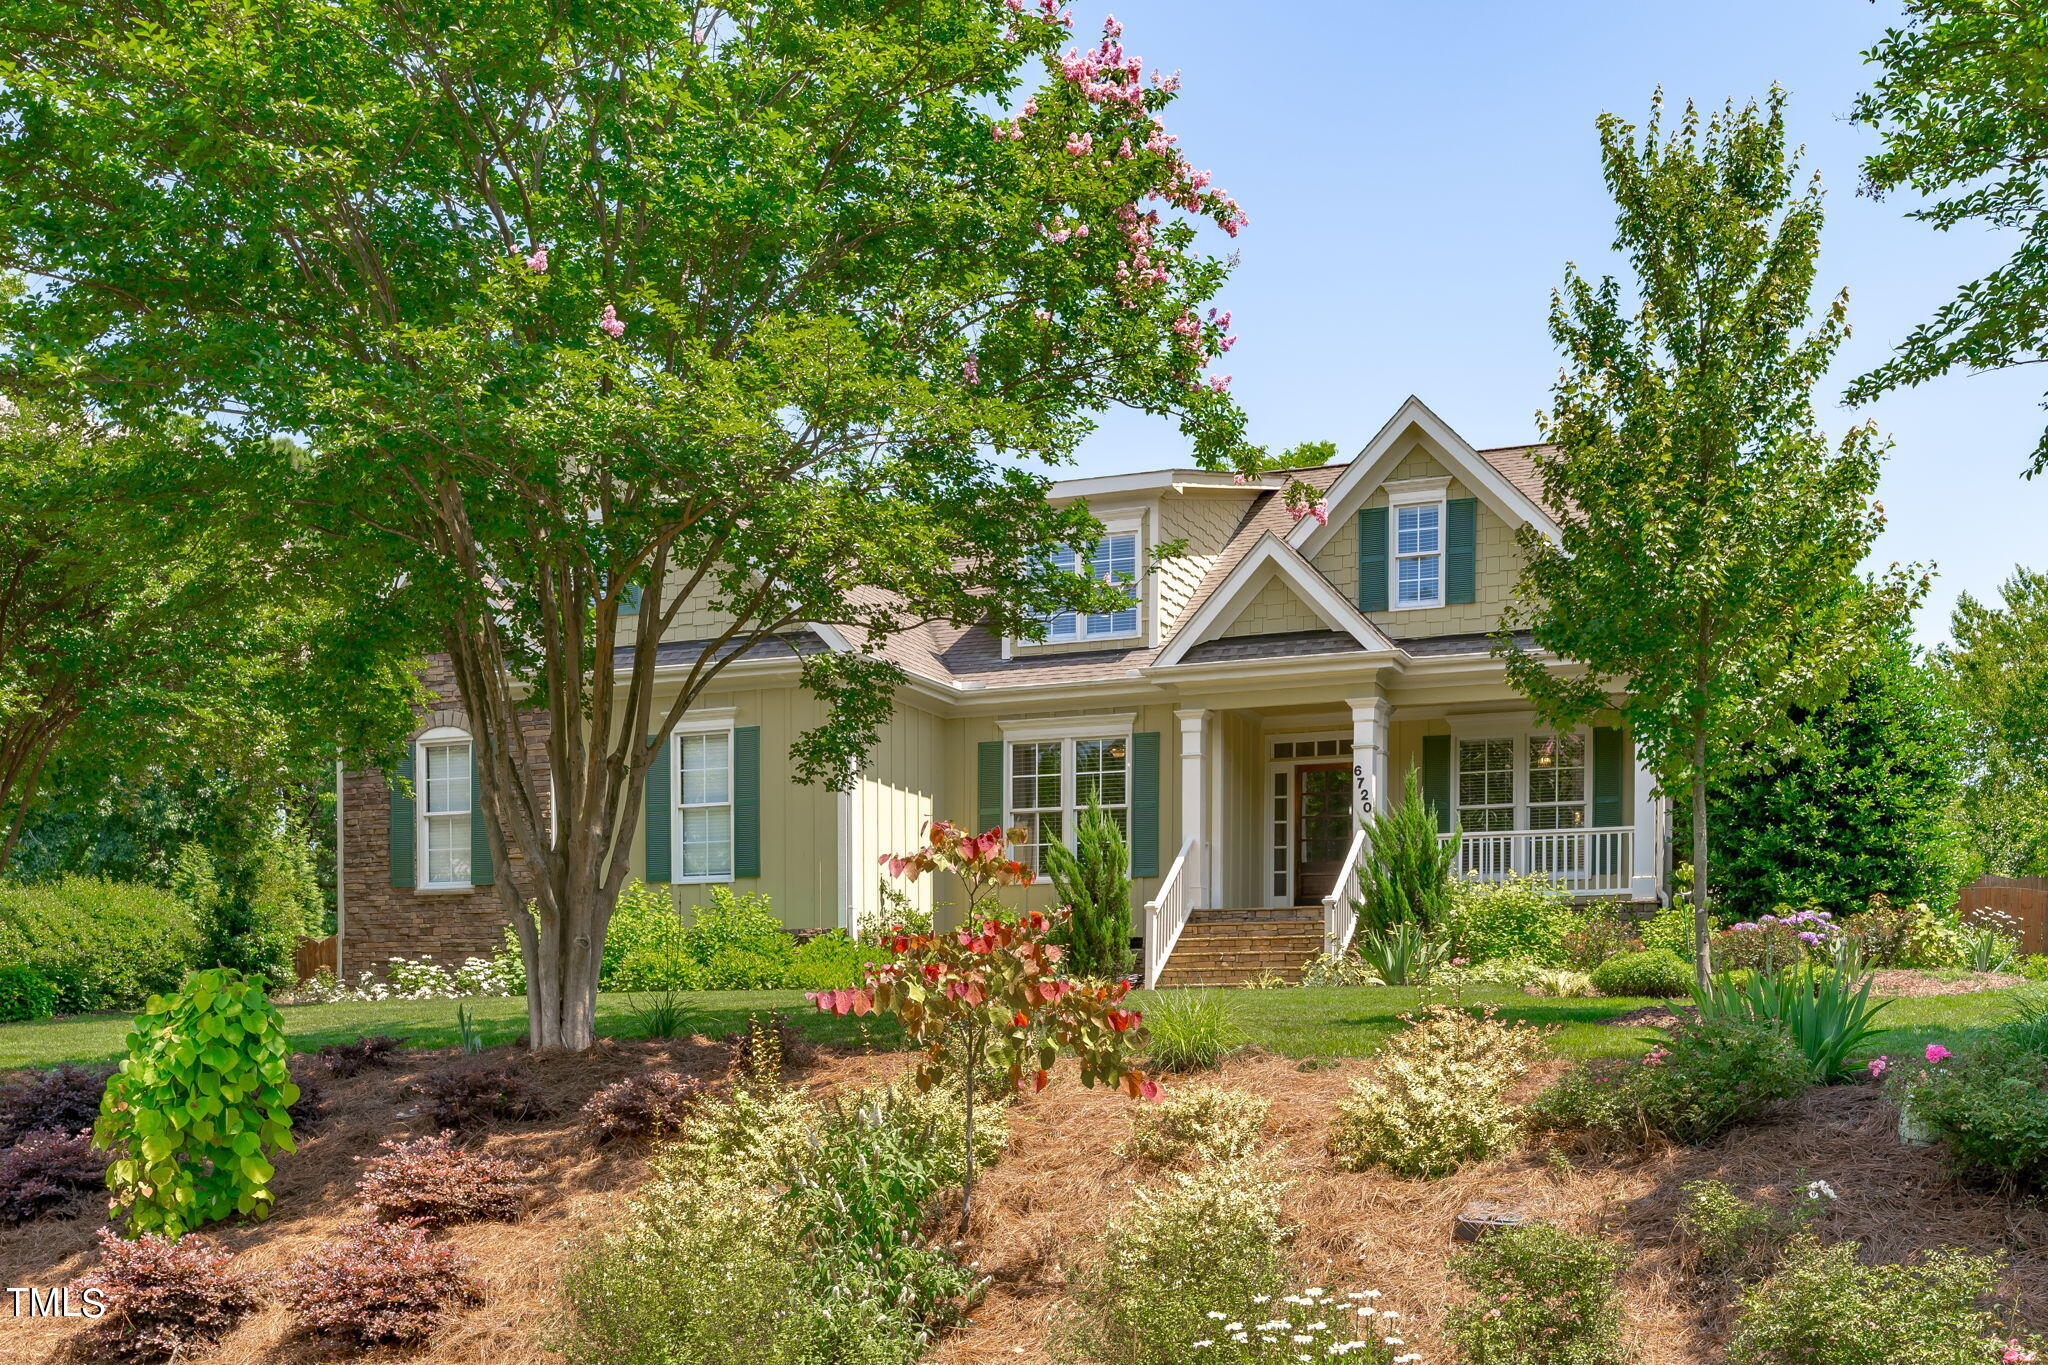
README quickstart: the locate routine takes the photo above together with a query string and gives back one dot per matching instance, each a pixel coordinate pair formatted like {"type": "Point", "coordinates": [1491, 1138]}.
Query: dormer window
{"type": "Point", "coordinates": [1419, 555]}
{"type": "Point", "coordinates": [1113, 560]}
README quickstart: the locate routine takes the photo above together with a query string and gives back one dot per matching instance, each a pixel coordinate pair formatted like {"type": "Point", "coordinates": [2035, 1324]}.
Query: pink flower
{"type": "Point", "coordinates": [1237, 478]}
{"type": "Point", "coordinates": [1655, 1057]}
{"type": "Point", "coordinates": [1220, 382]}
{"type": "Point", "coordinates": [538, 261]}
{"type": "Point", "coordinates": [608, 322]}
{"type": "Point", "coordinates": [1321, 512]}
{"type": "Point", "coordinates": [1878, 1066]}
{"type": "Point", "coordinates": [970, 371]}
{"type": "Point", "coordinates": [1937, 1053]}
{"type": "Point", "coordinates": [1080, 144]}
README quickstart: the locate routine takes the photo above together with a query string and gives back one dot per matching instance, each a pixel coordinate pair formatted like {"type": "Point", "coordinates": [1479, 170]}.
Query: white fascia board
{"type": "Point", "coordinates": [1372, 464]}
{"type": "Point", "coordinates": [1273, 553]}
{"type": "Point", "coordinates": [1154, 481]}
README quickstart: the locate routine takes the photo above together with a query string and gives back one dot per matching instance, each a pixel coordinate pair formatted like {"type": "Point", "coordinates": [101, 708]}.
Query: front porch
{"type": "Point", "coordinates": [1273, 804]}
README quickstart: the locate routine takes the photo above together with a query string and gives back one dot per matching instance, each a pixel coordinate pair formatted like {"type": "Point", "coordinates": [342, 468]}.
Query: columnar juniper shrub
{"type": "Point", "coordinates": [352, 1059]}
{"type": "Point", "coordinates": [62, 1099]}
{"type": "Point", "coordinates": [377, 1283]}
{"type": "Point", "coordinates": [432, 1182]}
{"type": "Point", "coordinates": [467, 1095]}
{"type": "Point", "coordinates": [1708, 1078]}
{"type": "Point", "coordinates": [1656, 972]}
{"type": "Point", "coordinates": [49, 1173]}
{"type": "Point", "coordinates": [1822, 1306]}
{"type": "Point", "coordinates": [167, 1300]}
{"type": "Point", "coordinates": [1540, 1296]}
{"type": "Point", "coordinates": [1198, 1123]}
{"type": "Point", "coordinates": [646, 1104]}
{"type": "Point", "coordinates": [1435, 1098]}
{"type": "Point", "coordinates": [1197, 1258]}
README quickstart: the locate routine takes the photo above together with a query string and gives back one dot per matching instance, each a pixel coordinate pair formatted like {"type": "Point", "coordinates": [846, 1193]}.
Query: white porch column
{"type": "Point", "coordinates": [1194, 802]}
{"type": "Point", "coordinates": [1648, 838]}
{"type": "Point", "coordinates": [1370, 717]}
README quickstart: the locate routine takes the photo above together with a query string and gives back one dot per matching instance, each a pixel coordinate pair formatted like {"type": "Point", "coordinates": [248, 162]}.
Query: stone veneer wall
{"type": "Point", "coordinates": [382, 921]}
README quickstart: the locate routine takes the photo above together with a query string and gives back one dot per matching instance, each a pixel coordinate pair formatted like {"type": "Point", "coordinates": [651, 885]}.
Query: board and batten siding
{"type": "Point", "coordinates": [903, 786]}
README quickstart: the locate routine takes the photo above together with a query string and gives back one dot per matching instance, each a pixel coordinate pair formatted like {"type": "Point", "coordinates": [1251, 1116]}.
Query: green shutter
{"type": "Point", "coordinates": [1145, 804]}
{"type": "Point", "coordinates": [402, 821]}
{"type": "Point", "coordinates": [988, 785]}
{"type": "Point", "coordinates": [1607, 777]}
{"type": "Point", "coordinates": [1372, 559]}
{"type": "Point", "coordinates": [746, 801]}
{"type": "Point", "coordinates": [1436, 777]}
{"type": "Point", "coordinates": [1461, 550]}
{"type": "Point", "coordinates": [655, 800]}
{"type": "Point", "coordinates": [479, 838]}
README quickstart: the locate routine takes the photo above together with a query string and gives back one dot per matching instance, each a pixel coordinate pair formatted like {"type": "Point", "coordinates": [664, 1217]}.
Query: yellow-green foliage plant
{"type": "Point", "coordinates": [1436, 1099]}
{"type": "Point", "coordinates": [201, 1099]}
{"type": "Point", "coordinates": [1198, 1123]}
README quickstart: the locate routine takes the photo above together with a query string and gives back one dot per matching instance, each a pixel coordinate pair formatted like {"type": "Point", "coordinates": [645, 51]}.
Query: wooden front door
{"type": "Point", "coordinates": [1322, 828]}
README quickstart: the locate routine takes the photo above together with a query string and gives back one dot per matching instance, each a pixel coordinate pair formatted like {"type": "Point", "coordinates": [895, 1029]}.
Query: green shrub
{"type": "Point", "coordinates": [1712, 1076]}
{"type": "Point", "coordinates": [1198, 1123]}
{"type": "Point", "coordinates": [1407, 876]}
{"type": "Point", "coordinates": [745, 969]}
{"type": "Point", "coordinates": [1669, 929]}
{"type": "Point", "coordinates": [1191, 1029]}
{"type": "Point", "coordinates": [101, 944]}
{"type": "Point", "coordinates": [646, 928]}
{"type": "Point", "coordinates": [1824, 1307]}
{"type": "Point", "coordinates": [1339, 969]}
{"type": "Point", "coordinates": [1991, 1109]}
{"type": "Point", "coordinates": [25, 994]}
{"type": "Point", "coordinates": [653, 968]}
{"type": "Point", "coordinates": [252, 911]}
{"type": "Point", "coordinates": [1656, 972]}
{"type": "Point", "coordinates": [1540, 1296]}
{"type": "Point", "coordinates": [1094, 881]}
{"type": "Point", "coordinates": [1597, 935]}
{"type": "Point", "coordinates": [937, 1119]}
{"type": "Point", "coordinates": [2034, 967]}
{"type": "Point", "coordinates": [744, 923]}
{"type": "Point", "coordinates": [1907, 935]}
{"type": "Point", "coordinates": [828, 962]}
{"type": "Point", "coordinates": [1434, 1099]}
{"type": "Point", "coordinates": [1523, 917]}
{"type": "Point", "coordinates": [1180, 1262]}
{"type": "Point", "coordinates": [199, 1099]}
{"type": "Point", "coordinates": [1723, 1231]}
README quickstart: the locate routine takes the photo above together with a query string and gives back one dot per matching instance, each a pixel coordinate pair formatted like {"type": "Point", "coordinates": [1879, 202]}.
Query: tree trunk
{"type": "Point", "coordinates": [1702, 962]}
{"type": "Point", "coordinates": [967, 1178]}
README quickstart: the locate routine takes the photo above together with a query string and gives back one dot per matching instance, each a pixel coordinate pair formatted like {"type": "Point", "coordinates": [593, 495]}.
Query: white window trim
{"type": "Point", "coordinates": [1416, 493]}
{"type": "Point", "coordinates": [1142, 591]}
{"type": "Point", "coordinates": [1107, 726]}
{"type": "Point", "coordinates": [1066, 734]}
{"type": "Point", "coordinates": [439, 735]}
{"type": "Point", "coordinates": [1285, 767]}
{"type": "Point", "coordinates": [709, 721]}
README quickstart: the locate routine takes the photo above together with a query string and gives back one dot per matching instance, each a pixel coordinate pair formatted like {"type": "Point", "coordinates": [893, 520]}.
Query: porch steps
{"type": "Point", "coordinates": [1232, 947]}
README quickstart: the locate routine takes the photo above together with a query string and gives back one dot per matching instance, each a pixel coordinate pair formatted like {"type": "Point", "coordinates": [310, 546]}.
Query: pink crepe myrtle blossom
{"type": "Point", "coordinates": [1080, 144]}
{"type": "Point", "coordinates": [970, 371]}
{"type": "Point", "coordinates": [608, 322]}
{"type": "Point", "coordinates": [538, 261]}
{"type": "Point", "coordinates": [1238, 478]}
{"type": "Point", "coordinates": [1937, 1053]}
{"type": "Point", "coordinates": [1220, 382]}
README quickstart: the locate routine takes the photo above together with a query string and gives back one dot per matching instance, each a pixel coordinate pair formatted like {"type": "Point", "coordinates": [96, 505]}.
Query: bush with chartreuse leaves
{"type": "Point", "coordinates": [197, 1106]}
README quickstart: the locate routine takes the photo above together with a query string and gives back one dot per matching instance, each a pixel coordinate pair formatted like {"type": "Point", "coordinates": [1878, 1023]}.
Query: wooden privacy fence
{"type": "Point", "coordinates": [311, 955]}
{"type": "Point", "coordinates": [2023, 901]}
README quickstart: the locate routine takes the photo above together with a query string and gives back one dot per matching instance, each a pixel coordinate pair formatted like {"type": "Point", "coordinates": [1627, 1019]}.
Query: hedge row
{"type": "Point", "coordinates": [98, 944]}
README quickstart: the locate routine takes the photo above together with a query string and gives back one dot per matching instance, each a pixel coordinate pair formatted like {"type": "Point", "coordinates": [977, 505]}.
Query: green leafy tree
{"type": "Point", "coordinates": [1093, 880]}
{"type": "Point", "coordinates": [767, 308]}
{"type": "Point", "coordinates": [1408, 872]}
{"type": "Point", "coordinates": [1957, 104]}
{"type": "Point", "coordinates": [1857, 798]}
{"type": "Point", "coordinates": [1997, 669]}
{"type": "Point", "coordinates": [201, 1100]}
{"type": "Point", "coordinates": [1705, 571]}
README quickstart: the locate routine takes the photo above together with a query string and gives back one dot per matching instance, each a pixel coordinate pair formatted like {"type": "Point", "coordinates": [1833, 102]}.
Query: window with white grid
{"type": "Point", "coordinates": [1418, 555]}
{"type": "Point", "coordinates": [703, 814]}
{"type": "Point", "coordinates": [1114, 560]}
{"type": "Point", "coordinates": [1557, 781]}
{"type": "Point", "coordinates": [445, 797]}
{"type": "Point", "coordinates": [1486, 784]}
{"type": "Point", "coordinates": [1037, 796]}
{"type": "Point", "coordinates": [1102, 773]}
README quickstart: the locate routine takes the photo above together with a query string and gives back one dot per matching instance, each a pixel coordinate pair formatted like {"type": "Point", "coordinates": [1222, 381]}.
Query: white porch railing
{"type": "Point", "coordinates": [1166, 914]}
{"type": "Point", "coordinates": [1340, 916]}
{"type": "Point", "coordinates": [1591, 862]}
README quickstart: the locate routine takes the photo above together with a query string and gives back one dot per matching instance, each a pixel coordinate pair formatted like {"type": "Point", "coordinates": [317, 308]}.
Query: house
{"type": "Point", "coordinates": [1263, 691]}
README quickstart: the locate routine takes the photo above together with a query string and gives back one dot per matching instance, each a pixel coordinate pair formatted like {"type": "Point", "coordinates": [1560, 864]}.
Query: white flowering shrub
{"type": "Point", "coordinates": [1435, 1099]}
{"type": "Point", "coordinates": [1312, 1326]}
{"type": "Point", "coordinates": [1198, 1123]}
{"type": "Point", "coordinates": [414, 979]}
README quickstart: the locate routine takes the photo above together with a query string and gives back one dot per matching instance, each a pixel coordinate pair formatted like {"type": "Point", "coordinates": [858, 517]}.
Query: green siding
{"type": "Point", "coordinates": [988, 784]}
{"type": "Point", "coordinates": [1145, 804]}
{"type": "Point", "coordinates": [480, 872]}
{"type": "Point", "coordinates": [746, 801]}
{"type": "Point", "coordinates": [402, 822]}
{"type": "Point", "coordinates": [1436, 777]}
{"type": "Point", "coordinates": [1372, 559]}
{"type": "Point", "coordinates": [656, 816]}
{"type": "Point", "coordinates": [1461, 550]}
{"type": "Point", "coordinates": [1607, 777]}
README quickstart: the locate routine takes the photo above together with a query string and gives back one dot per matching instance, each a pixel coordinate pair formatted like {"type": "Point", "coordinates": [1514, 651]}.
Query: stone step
{"type": "Point", "coordinates": [1230, 946]}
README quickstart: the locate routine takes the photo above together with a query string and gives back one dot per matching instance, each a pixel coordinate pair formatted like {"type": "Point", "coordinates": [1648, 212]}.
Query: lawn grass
{"type": "Point", "coordinates": [1332, 1021]}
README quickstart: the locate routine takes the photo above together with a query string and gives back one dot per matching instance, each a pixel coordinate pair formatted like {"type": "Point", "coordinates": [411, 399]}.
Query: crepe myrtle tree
{"type": "Point", "coordinates": [990, 993]}
{"type": "Point", "coordinates": [1705, 574]}
{"type": "Point", "coordinates": [766, 311]}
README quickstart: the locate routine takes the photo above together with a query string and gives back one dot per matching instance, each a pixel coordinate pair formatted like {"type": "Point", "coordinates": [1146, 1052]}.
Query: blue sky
{"type": "Point", "coordinates": [1417, 175]}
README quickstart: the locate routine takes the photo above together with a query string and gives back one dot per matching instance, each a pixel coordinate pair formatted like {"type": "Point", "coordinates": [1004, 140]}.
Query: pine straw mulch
{"type": "Point", "coordinates": [1041, 1210]}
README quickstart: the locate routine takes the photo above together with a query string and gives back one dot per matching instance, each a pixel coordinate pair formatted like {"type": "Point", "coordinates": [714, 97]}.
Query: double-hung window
{"type": "Point", "coordinates": [1486, 784]}
{"type": "Point", "coordinates": [1052, 782]}
{"type": "Point", "coordinates": [1557, 781]}
{"type": "Point", "coordinates": [1114, 560]}
{"type": "Point", "coordinates": [703, 814]}
{"type": "Point", "coordinates": [1418, 555]}
{"type": "Point", "coordinates": [445, 801]}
